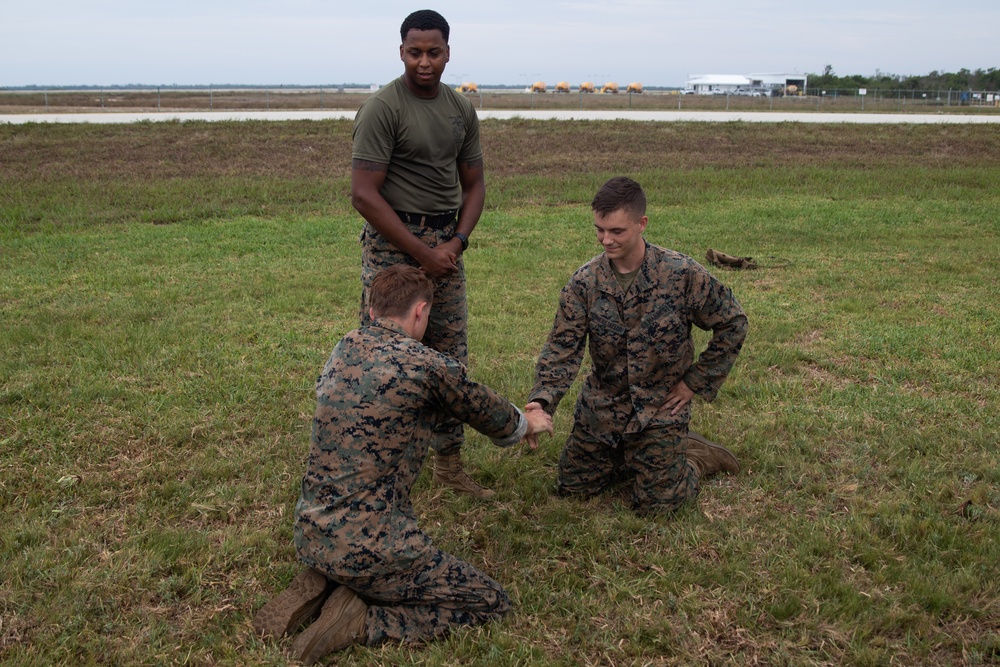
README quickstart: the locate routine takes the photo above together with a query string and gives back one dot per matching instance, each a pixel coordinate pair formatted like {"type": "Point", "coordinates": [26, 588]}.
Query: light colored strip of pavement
{"type": "Point", "coordinates": [745, 116]}
{"type": "Point", "coordinates": [533, 114]}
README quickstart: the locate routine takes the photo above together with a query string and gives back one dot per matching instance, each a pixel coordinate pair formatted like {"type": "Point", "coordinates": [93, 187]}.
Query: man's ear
{"type": "Point", "coordinates": [420, 310]}
{"type": "Point", "coordinates": [371, 314]}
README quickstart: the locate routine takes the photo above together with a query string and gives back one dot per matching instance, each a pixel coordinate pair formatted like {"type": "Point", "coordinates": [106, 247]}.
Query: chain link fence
{"type": "Point", "coordinates": [225, 99]}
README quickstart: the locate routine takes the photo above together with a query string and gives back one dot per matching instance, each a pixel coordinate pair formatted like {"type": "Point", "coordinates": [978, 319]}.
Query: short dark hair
{"type": "Point", "coordinates": [424, 19]}
{"type": "Point", "coordinates": [620, 193]}
{"type": "Point", "coordinates": [396, 289]}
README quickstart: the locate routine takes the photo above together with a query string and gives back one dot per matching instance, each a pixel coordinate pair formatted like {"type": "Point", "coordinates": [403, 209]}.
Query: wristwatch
{"type": "Point", "coordinates": [463, 238]}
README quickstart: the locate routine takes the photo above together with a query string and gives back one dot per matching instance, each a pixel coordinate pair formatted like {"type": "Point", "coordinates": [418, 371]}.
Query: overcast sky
{"type": "Point", "coordinates": [329, 42]}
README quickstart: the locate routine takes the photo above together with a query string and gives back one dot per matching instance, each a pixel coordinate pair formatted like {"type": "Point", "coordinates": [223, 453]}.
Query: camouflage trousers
{"type": "Point", "coordinates": [448, 327]}
{"type": "Point", "coordinates": [427, 599]}
{"type": "Point", "coordinates": [654, 461]}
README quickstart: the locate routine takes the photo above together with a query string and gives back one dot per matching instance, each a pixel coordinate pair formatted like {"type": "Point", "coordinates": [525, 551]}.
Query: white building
{"type": "Point", "coordinates": [736, 84]}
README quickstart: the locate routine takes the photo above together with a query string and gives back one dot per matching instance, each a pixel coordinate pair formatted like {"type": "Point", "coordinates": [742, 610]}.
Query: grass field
{"type": "Point", "coordinates": [170, 291]}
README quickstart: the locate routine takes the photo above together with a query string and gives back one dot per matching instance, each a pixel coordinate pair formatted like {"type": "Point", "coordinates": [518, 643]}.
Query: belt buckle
{"type": "Point", "coordinates": [408, 218]}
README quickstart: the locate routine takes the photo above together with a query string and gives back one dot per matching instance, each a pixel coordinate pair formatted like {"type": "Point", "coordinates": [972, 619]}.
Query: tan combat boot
{"type": "Point", "coordinates": [448, 471]}
{"type": "Point", "coordinates": [709, 457]}
{"type": "Point", "coordinates": [295, 605]}
{"type": "Point", "coordinates": [340, 624]}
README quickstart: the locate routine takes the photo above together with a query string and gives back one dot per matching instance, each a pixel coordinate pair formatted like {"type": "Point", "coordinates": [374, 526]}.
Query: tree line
{"type": "Point", "coordinates": [963, 79]}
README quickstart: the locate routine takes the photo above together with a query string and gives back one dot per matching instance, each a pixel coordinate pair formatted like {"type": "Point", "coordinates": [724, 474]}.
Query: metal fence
{"type": "Point", "coordinates": [901, 98]}
{"type": "Point", "coordinates": [178, 99]}
{"type": "Point", "coordinates": [175, 99]}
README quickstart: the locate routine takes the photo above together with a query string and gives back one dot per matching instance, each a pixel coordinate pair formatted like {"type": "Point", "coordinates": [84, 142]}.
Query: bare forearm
{"type": "Point", "coordinates": [381, 216]}
{"type": "Point", "coordinates": [473, 196]}
{"type": "Point", "coordinates": [366, 179]}
{"type": "Point", "coordinates": [473, 200]}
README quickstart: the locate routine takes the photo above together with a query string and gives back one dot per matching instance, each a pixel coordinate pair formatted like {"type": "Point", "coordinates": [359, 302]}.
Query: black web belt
{"type": "Point", "coordinates": [435, 221]}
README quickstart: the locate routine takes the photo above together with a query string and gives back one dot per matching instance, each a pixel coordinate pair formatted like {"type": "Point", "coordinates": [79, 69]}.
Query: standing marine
{"type": "Point", "coordinates": [417, 180]}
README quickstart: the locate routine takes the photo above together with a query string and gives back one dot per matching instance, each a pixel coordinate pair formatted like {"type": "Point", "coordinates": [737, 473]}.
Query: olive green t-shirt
{"type": "Point", "coordinates": [422, 141]}
{"type": "Point", "coordinates": [625, 280]}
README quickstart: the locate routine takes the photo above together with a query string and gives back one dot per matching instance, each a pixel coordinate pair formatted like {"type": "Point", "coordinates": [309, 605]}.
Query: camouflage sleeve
{"type": "Point", "coordinates": [560, 358]}
{"type": "Point", "coordinates": [477, 405]}
{"type": "Point", "coordinates": [712, 306]}
{"type": "Point", "coordinates": [517, 435]}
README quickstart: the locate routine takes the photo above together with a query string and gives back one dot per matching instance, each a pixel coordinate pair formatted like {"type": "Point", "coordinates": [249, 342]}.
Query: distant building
{"type": "Point", "coordinates": [736, 84]}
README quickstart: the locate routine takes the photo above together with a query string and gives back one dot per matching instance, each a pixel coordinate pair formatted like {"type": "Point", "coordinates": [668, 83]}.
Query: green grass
{"type": "Point", "coordinates": [168, 294]}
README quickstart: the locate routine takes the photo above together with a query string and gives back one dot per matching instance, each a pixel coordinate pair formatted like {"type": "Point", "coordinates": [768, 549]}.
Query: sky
{"type": "Point", "coordinates": [512, 42]}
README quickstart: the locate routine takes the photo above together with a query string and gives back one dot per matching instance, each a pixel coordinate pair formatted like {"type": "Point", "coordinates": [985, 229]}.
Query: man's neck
{"type": "Point", "coordinates": [423, 93]}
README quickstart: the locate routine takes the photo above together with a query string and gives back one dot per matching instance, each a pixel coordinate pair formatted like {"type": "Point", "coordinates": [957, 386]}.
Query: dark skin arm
{"type": "Point", "coordinates": [366, 180]}
{"type": "Point", "coordinates": [470, 176]}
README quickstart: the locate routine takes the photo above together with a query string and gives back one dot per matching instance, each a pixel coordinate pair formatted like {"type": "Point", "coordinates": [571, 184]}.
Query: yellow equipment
{"type": "Point", "coordinates": [468, 87]}
{"type": "Point", "coordinates": [586, 87]}
{"type": "Point", "coordinates": [634, 87]}
{"type": "Point", "coordinates": [610, 87]}
{"type": "Point", "coordinates": [538, 87]}
{"type": "Point", "coordinates": [561, 87]}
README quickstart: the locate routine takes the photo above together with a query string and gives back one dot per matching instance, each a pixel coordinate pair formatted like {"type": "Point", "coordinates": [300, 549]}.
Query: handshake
{"type": "Point", "coordinates": [539, 421]}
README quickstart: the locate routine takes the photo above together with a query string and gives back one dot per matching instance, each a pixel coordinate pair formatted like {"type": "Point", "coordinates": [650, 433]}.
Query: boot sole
{"type": "Point", "coordinates": [294, 606]}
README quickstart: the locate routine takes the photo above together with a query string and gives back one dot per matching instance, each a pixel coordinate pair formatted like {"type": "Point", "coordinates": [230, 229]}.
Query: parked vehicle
{"type": "Point", "coordinates": [561, 87]}
{"type": "Point", "coordinates": [610, 87]}
{"type": "Point", "coordinates": [586, 87]}
{"type": "Point", "coordinates": [538, 87]}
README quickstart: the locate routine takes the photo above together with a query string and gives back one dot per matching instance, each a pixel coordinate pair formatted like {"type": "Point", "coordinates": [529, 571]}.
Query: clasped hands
{"type": "Point", "coordinates": [442, 259]}
{"type": "Point", "coordinates": [539, 421]}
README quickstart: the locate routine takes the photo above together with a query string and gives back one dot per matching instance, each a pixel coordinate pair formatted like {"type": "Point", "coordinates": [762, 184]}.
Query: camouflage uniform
{"type": "Point", "coordinates": [447, 328]}
{"type": "Point", "coordinates": [640, 345]}
{"type": "Point", "coordinates": [379, 400]}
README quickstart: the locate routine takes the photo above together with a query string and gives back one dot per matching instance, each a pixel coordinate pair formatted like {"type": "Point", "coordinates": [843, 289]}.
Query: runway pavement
{"type": "Point", "coordinates": [658, 116]}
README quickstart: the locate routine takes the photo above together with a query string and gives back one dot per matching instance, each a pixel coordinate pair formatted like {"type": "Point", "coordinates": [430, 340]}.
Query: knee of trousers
{"type": "Point", "coordinates": [667, 493]}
